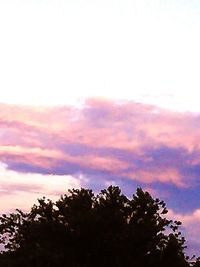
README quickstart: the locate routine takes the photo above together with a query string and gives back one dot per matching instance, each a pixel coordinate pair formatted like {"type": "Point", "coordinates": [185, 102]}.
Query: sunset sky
{"type": "Point", "coordinates": [94, 93]}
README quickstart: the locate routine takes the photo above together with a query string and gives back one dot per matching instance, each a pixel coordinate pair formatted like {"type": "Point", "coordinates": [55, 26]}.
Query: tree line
{"type": "Point", "coordinates": [82, 229]}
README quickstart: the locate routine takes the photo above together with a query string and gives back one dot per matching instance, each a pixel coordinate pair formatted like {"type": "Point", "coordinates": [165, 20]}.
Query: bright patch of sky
{"type": "Point", "coordinates": [57, 52]}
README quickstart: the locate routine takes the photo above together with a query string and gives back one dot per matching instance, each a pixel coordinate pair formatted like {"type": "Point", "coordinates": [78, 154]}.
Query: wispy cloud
{"type": "Point", "coordinates": [20, 190]}
{"type": "Point", "coordinates": [124, 139]}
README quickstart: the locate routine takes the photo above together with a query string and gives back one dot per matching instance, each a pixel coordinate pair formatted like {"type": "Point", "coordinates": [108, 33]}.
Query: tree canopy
{"type": "Point", "coordinates": [83, 229]}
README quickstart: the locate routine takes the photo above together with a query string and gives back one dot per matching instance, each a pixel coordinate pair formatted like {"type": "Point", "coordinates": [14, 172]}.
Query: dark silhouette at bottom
{"type": "Point", "coordinates": [83, 230]}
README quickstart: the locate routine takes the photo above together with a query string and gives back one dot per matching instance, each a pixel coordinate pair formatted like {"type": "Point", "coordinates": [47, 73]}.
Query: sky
{"type": "Point", "coordinates": [94, 93]}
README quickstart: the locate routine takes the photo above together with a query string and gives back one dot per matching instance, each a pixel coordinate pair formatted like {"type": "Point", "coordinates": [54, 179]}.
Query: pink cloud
{"type": "Point", "coordinates": [160, 175]}
{"type": "Point", "coordinates": [122, 139]}
{"type": "Point", "coordinates": [48, 150]}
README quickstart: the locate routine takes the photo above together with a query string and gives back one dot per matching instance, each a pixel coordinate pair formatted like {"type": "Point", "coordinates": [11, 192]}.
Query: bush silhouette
{"type": "Point", "coordinates": [82, 229]}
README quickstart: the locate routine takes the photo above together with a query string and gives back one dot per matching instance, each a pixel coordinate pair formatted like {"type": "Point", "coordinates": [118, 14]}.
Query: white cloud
{"type": "Point", "coordinates": [21, 190]}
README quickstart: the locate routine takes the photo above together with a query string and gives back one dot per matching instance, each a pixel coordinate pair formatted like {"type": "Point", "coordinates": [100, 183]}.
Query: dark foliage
{"type": "Point", "coordinates": [82, 229]}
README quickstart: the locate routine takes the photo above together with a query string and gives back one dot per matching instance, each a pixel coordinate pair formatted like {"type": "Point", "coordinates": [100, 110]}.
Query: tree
{"type": "Point", "coordinates": [82, 229]}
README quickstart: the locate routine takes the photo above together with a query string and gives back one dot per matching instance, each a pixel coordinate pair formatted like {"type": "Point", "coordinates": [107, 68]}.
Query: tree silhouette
{"type": "Point", "coordinates": [82, 229]}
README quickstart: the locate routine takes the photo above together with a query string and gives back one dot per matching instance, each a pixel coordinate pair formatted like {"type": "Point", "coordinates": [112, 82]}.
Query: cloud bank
{"type": "Point", "coordinates": [128, 140]}
{"type": "Point", "coordinates": [46, 150]}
